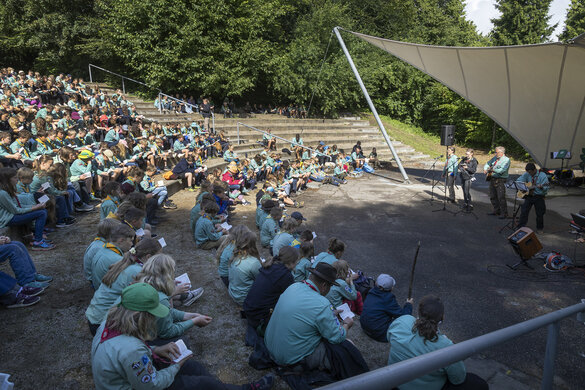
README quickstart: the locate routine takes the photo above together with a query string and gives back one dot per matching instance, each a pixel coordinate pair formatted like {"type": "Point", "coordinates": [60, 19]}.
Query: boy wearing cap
{"type": "Point", "coordinates": [381, 308]}
{"type": "Point", "coordinates": [304, 325]}
{"type": "Point", "coordinates": [262, 211]}
{"type": "Point", "coordinates": [81, 173]}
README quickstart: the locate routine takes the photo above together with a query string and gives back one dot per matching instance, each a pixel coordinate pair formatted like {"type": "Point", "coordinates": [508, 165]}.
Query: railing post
{"type": "Point", "coordinates": [90, 78]}
{"type": "Point", "coordinates": [213, 124]}
{"type": "Point", "coordinates": [159, 103]}
{"type": "Point", "coordinates": [123, 87]}
{"type": "Point", "coordinates": [549, 356]}
{"type": "Point", "coordinates": [238, 127]}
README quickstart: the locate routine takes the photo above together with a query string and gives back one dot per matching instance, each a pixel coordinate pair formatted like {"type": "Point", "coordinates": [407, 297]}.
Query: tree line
{"type": "Point", "coordinates": [272, 51]}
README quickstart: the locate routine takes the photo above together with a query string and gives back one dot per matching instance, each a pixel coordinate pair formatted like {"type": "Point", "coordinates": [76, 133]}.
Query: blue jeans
{"type": "Point", "coordinates": [62, 208]}
{"type": "Point", "coordinates": [39, 216]}
{"type": "Point", "coordinates": [161, 194]}
{"type": "Point", "coordinates": [7, 283]}
{"type": "Point", "coordinates": [20, 261]}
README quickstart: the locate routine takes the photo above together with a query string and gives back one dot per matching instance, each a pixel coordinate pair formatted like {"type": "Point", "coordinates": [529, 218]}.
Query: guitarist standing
{"type": "Point", "coordinates": [537, 182]}
{"type": "Point", "coordinates": [496, 170]}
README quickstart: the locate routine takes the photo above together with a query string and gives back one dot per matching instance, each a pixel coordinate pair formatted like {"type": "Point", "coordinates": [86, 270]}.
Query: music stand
{"type": "Point", "coordinates": [518, 186]}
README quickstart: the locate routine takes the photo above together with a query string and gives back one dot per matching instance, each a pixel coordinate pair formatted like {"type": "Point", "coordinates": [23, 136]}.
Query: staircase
{"type": "Point", "coordinates": [343, 132]}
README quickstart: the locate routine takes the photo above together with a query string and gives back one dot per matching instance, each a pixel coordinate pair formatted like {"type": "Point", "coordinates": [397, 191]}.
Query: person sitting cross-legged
{"type": "Point", "coordinates": [410, 337]}
{"type": "Point", "coordinates": [381, 308]}
{"type": "Point", "coordinates": [304, 329]}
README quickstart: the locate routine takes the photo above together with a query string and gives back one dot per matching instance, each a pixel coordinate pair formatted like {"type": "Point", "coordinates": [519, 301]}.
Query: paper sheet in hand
{"type": "Point", "coordinates": [314, 235]}
{"type": "Point", "coordinates": [183, 279]}
{"type": "Point", "coordinates": [346, 313]}
{"type": "Point", "coordinates": [183, 350]}
{"type": "Point", "coordinates": [45, 186]}
{"type": "Point", "coordinates": [43, 199]}
{"type": "Point", "coordinates": [140, 232]}
{"type": "Point", "coordinates": [226, 226]}
{"type": "Point", "coordinates": [162, 242]}
{"type": "Point", "coordinates": [160, 183]}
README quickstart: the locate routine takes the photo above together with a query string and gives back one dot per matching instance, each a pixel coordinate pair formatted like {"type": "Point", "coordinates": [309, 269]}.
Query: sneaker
{"type": "Point", "coordinates": [192, 296]}
{"type": "Point", "coordinates": [23, 300]}
{"type": "Point", "coordinates": [264, 383]}
{"type": "Point", "coordinates": [42, 246]}
{"type": "Point", "coordinates": [42, 285]}
{"type": "Point", "coordinates": [191, 189]}
{"type": "Point", "coordinates": [169, 205]}
{"type": "Point", "coordinates": [32, 291]}
{"type": "Point", "coordinates": [70, 219]}
{"type": "Point", "coordinates": [60, 224]}
{"type": "Point", "coordinates": [83, 208]}
{"type": "Point", "coordinates": [42, 278]}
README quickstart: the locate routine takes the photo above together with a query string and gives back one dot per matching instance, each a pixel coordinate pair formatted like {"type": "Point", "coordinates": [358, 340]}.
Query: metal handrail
{"type": "Point", "coordinates": [399, 373]}
{"type": "Point", "coordinates": [119, 75]}
{"type": "Point", "coordinates": [275, 136]}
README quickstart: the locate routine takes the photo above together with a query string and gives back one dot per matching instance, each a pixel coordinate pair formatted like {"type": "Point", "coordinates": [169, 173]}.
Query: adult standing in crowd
{"type": "Point", "coordinates": [538, 185]}
{"type": "Point", "coordinates": [496, 170]}
{"type": "Point", "coordinates": [205, 110]}
{"type": "Point", "coordinates": [467, 169]}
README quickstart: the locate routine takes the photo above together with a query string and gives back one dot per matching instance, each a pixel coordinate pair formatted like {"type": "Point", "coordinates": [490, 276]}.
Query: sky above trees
{"type": "Point", "coordinates": [481, 11]}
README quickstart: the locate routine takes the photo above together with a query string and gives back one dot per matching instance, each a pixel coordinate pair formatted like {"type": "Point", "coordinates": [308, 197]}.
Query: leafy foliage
{"type": "Point", "coordinates": [575, 23]}
{"type": "Point", "coordinates": [271, 51]}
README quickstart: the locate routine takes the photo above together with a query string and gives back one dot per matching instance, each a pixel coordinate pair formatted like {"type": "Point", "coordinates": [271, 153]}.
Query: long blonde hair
{"type": "Point", "coordinates": [145, 248]}
{"type": "Point", "coordinates": [159, 272]}
{"type": "Point", "coordinates": [235, 235]}
{"type": "Point", "coordinates": [139, 324]}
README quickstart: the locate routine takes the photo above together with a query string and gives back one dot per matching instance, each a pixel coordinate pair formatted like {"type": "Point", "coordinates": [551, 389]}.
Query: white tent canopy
{"type": "Point", "coordinates": [535, 92]}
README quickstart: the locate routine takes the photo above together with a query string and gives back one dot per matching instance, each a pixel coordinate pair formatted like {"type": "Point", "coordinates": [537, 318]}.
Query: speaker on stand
{"type": "Point", "coordinates": [447, 135]}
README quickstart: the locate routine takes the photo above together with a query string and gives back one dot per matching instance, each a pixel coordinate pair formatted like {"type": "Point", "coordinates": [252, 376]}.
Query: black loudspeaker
{"type": "Point", "coordinates": [447, 135]}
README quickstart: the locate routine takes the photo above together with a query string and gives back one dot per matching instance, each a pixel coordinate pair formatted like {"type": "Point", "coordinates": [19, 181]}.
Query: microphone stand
{"type": "Point", "coordinates": [433, 180]}
{"type": "Point", "coordinates": [445, 197]}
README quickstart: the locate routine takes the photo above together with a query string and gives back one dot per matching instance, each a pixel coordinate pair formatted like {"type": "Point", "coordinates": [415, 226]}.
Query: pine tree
{"type": "Point", "coordinates": [522, 22]}
{"type": "Point", "coordinates": [575, 23]}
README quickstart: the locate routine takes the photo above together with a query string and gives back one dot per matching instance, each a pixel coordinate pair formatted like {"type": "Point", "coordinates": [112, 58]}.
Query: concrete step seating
{"type": "Point", "coordinates": [343, 132]}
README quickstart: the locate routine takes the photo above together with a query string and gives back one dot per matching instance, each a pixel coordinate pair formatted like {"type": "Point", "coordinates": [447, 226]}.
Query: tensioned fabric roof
{"type": "Point", "coordinates": [535, 92]}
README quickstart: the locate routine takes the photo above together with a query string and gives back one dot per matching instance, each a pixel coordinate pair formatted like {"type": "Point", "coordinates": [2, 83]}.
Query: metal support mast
{"type": "Point", "coordinates": [372, 108]}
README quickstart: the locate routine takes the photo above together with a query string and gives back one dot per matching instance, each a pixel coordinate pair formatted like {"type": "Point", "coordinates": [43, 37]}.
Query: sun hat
{"type": "Point", "coordinates": [267, 205]}
{"type": "Point", "coordinates": [85, 155]}
{"type": "Point", "coordinates": [143, 297]}
{"type": "Point", "coordinates": [108, 153]}
{"type": "Point", "coordinates": [326, 272]}
{"type": "Point", "coordinates": [385, 282]}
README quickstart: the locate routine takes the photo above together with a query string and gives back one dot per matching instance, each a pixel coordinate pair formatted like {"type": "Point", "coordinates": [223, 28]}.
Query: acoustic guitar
{"type": "Point", "coordinates": [522, 194]}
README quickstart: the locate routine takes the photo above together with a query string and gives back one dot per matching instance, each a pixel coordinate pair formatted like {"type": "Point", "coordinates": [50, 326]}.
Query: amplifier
{"type": "Point", "coordinates": [525, 243]}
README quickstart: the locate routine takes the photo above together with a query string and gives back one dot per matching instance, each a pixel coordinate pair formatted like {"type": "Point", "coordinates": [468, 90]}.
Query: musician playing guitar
{"type": "Point", "coordinates": [538, 185]}
{"type": "Point", "coordinates": [496, 170]}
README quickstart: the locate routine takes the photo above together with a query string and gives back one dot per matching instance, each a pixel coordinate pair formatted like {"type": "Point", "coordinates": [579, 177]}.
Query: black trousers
{"type": "Point", "coordinates": [451, 187]}
{"type": "Point", "coordinates": [193, 375]}
{"type": "Point", "coordinates": [472, 382]}
{"type": "Point", "coordinates": [498, 196]}
{"type": "Point", "coordinates": [539, 206]}
{"type": "Point", "coordinates": [466, 187]}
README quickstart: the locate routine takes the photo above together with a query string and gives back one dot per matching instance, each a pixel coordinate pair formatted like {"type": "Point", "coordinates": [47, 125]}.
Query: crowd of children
{"type": "Point", "coordinates": [65, 147]}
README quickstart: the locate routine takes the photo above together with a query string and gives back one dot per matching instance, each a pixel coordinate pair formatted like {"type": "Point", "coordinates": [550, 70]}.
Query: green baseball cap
{"type": "Point", "coordinates": [143, 297]}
